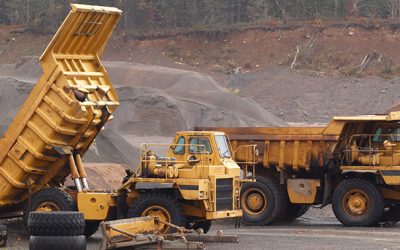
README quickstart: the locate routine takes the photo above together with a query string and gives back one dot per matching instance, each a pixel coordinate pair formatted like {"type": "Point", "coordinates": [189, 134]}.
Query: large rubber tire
{"type": "Point", "coordinates": [57, 242]}
{"type": "Point", "coordinates": [58, 223]}
{"type": "Point", "coordinates": [151, 204]}
{"type": "Point", "coordinates": [91, 227]}
{"type": "Point", "coordinates": [294, 211]}
{"type": "Point", "coordinates": [357, 202]}
{"type": "Point", "coordinates": [3, 235]}
{"type": "Point", "coordinates": [192, 224]}
{"type": "Point", "coordinates": [270, 198]}
{"type": "Point", "coordinates": [54, 197]}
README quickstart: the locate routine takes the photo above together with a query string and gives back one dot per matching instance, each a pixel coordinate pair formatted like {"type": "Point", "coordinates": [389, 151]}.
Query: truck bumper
{"type": "Point", "coordinates": [224, 214]}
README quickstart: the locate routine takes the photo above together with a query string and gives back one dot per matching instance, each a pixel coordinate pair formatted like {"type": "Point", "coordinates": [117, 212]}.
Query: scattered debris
{"type": "Point", "coordinates": [369, 57]}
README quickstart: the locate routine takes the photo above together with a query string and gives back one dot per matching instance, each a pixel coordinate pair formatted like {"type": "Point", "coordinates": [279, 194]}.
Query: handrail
{"type": "Point", "coordinates": [145, 148]}
{"type": "Point", "coordinates": [369, 149]}
{"type": "Point", "coordinates": [252, 162]}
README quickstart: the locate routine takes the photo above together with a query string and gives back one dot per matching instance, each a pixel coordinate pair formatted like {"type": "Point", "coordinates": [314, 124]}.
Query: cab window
{"type": "Point", "coordinates": [194, 147]}
{"type": "Point", "coordinates": [378, 135]}
{"type": "Point", "coordinates": [393, 134]}
{"type": "Point", "coordinates": [180, 149]}
{"type": "Point", "coordinates": [397, 134]}
{"type": "Point", "coordinates": [223, 146]}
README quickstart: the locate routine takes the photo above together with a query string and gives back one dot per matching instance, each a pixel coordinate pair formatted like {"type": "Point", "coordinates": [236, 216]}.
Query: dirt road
{"type": "Point", "coordinates": [305, 233]}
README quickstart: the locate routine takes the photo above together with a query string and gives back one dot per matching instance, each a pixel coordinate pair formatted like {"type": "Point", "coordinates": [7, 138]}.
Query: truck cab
{"type": "Point", "coordinates": [211, 149]}
{"type": "Point", "coordinates": [194, 182]}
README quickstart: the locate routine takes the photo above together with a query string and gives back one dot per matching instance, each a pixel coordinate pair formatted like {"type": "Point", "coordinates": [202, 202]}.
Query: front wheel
{"type": "Point", "coordinates": [357, 202]}
{"type": "Point", "coordinates": [160, 205]}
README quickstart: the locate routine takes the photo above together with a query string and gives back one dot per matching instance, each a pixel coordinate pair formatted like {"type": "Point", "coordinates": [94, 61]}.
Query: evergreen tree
{"type": "Point", "coordinates": [3, 12]}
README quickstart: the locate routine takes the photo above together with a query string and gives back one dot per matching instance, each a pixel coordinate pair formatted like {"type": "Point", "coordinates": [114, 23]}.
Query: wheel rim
{"type": "Point", "coordinates": [254, 201]}
{"type": "Point", "coordinates": [47, 207]}
{"type": "Point", "coordinates": [356, 202]}
{"type": "Point", "coordinates": [160, 212]}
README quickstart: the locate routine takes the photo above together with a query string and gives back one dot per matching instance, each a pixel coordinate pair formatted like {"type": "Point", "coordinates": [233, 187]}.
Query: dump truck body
{"type": "Point", "coordinates": [65, 110]}
{"type": "Point", "coordinates": [313, 165]}
{"type": "Point", "coordinates": [298, 148]}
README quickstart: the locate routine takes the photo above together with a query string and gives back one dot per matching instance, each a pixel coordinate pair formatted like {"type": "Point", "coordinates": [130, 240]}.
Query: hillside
{"type": "Point", "coordinates": [240, 78]}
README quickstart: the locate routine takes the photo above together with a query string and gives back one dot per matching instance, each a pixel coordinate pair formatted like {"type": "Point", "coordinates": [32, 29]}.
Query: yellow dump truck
{"type": "Point", "coordinates": [353, 163]}
{"type": "Point", "coordinates": [65, 111]}
{"type": "Point", "coordinates": [196, 182]}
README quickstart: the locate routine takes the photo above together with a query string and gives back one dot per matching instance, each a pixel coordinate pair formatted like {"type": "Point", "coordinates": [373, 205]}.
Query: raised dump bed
{"type": "Point", "coordinates": [66, 109]}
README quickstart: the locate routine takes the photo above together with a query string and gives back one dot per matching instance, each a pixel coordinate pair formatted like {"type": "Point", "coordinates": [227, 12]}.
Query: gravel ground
{"type": "Point", "coordinates": [315, 230]}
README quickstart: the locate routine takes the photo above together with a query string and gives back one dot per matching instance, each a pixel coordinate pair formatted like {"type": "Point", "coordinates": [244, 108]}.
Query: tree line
{"type": "Point", "coordinates": [146, 16]}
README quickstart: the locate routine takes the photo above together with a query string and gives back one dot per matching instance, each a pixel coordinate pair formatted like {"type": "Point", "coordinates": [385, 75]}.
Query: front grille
{"type": "Point", "coordinates": [224, 194]}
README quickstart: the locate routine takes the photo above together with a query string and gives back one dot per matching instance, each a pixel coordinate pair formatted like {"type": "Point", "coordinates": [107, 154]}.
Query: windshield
{"type": "Point", "coordinates": [197, 143]}
{"type": "Point", "coordinates": [223, 146]}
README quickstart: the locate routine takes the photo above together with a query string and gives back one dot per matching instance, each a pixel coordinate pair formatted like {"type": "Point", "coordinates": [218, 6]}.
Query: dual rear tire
{"type": "Point", "coordinates": [355, 202]}
{"type": "Point", "coordinates": [263, 202]}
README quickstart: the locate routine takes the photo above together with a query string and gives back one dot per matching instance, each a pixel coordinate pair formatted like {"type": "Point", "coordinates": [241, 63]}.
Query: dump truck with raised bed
{"type": "Point", "coordinates": [195, 183]}
{"type": "Point", "coordinates": [63, 114]}
{"type": "Point", "coordinates": [352, 163]}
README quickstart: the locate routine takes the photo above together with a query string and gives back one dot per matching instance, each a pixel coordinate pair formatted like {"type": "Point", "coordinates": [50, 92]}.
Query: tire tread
{"type": "Point", "coordinates": [60, 223]}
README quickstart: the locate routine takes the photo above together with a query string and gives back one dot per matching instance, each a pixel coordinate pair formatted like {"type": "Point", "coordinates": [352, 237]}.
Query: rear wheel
{"type": "Point", "coordinates": [193, 224]}
{"type": "Point", "coordinates": [357, 202]}
{"type": "Point", "coordinates": [391, 214]}
{"type": "Point", "coordinates": [3, 235]}
{"type": "Point", "coordinates": [160, 205]}
{"type": "Point", "coordinates": [294, 211]}
{"type": "Point", "coordinates": [263, 202]}
{"type": "Point", "coordinates": [49, 200]}
{"type": "Point", "coordinates": [91, 227]}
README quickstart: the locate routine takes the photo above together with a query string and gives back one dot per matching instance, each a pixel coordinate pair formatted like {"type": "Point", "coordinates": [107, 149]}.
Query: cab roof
{"type": "Point", "coordinates": [392, 116]}
{"type": "Point", "coordinates": [201, 132]}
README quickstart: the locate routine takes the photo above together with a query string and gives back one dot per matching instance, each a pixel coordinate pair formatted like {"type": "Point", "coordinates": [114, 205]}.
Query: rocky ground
{"type": "Point", "coordinates": [318, 229]}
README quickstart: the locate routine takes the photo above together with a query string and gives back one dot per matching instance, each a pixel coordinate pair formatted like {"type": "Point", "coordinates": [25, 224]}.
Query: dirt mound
{"type": "Point", "coordinates": [160, 101]}
{"type": "Point", "coordinates": [110, 146]}
{"type": "Point", "coordinates": [155, 101]}
{"type": "Point", "coordinates": [395, 107]}
{"type": "Point", "coordinates": [297, 97]}
{"type": "Point", "coordinates": [13, 95]}
{"type": "Point", "coordinates": [106, 176]}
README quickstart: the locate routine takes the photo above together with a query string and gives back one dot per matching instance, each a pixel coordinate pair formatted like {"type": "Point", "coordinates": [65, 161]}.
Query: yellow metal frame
{"type": "Point", "coordinates": [66, 109]}
{"type": "Point", "coordinates": [96, 205]}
